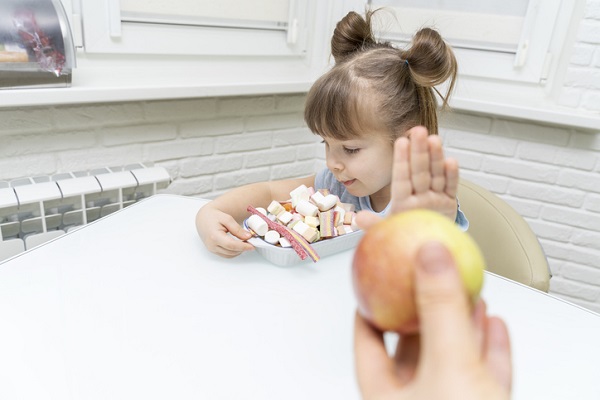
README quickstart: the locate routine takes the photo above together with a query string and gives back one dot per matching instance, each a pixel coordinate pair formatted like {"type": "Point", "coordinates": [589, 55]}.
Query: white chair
{"type": "Point", "coordinates": [511, 249]}
{"type": "Point", "coordinates": [10, 248]}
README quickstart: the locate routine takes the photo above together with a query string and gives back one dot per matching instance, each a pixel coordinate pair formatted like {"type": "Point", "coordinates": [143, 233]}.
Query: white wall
{"type": "Point", "coordinates": [550, 174]}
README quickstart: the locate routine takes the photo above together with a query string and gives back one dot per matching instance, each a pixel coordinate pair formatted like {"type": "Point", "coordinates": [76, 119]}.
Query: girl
{"type": "Point", "coordinates": [365, 108]}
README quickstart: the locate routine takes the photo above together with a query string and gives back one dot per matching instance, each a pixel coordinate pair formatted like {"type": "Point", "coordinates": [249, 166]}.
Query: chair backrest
{"type": "Point", "coordinates": [510, 247]}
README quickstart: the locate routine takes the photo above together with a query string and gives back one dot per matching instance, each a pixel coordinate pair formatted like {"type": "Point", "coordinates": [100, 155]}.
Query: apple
{"type": "Point", "coordinates": [384, 264]}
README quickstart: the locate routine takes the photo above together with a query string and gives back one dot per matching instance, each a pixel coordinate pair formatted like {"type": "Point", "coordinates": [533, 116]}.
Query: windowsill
{"type": "Point", "coordinates": [110, 94]}
{"type": "Point", "coordinates": [123, 93]}
{"type": "Point", "coordinates": [123, 79]}
{"type": "Point", "coordinates": [549, 115]}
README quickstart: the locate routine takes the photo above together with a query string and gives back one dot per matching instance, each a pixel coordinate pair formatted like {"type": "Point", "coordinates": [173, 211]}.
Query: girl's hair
{"type": "Point", "coordinates": [373, 81]}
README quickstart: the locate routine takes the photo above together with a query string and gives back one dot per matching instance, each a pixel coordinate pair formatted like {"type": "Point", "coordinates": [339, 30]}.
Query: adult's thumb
{"type": "Point", "coordinates": [447, 331]}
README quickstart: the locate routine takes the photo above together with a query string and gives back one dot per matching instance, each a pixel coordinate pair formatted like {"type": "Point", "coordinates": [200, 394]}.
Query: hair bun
{"type": "Point", "coordinates": [351, 34]}
{"type": "Point", "coordinates": [431, 60]}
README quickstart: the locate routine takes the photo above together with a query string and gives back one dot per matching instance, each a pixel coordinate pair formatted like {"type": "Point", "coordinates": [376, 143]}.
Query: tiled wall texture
{"type": "Point", "coordinates": [550, 174]}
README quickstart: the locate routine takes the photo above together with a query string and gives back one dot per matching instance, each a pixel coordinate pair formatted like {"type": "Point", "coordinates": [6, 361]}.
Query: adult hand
{"type": "Point", "coordinates": [458, 354]}
{"type": "Point", "coordinates": [421, 176]}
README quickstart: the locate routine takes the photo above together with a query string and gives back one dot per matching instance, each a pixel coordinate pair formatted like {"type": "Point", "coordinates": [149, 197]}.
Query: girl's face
{"type": "Point", "coordinates": [363, 165]}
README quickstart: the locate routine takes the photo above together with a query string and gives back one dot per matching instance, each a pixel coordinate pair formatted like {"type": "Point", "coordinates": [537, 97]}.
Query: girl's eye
{"type": "Point", "coordinates": [351, 151]}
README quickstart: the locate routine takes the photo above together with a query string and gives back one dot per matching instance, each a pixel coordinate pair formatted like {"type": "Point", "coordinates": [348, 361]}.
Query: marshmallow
{"type": "Point", "coordinates": [306, 208]}
{"type": "Point", "coordinates": [311, 221]}
{"type": "Point", "coordinates": [329, 202]}
{"type": "Point", "coordinates": [257, 224]}
{"type": "Point", "coordinates": [300, 227]}
{"type": "Point", "coordinates": [261, 210]}
{"type": "Point", "coordinates": [275, 207]}
{"type": "Point", "coordinates": [272, 237]}
{"type": "Point", "coordinates": [349, 217]}
{"type": "Point", "coordinates": [285, 217]}
{"type": "Point", "coordinates": [344, 229]}
{"type": "Point", "coordinates": [284, 242]}
{"type": "Point", "coordinates": [341, 213]}
{"type": "Point", "coordinates": [298, 194]}
{"type": "Point", "coordinates": [309, 233]}
{"type": "Point", "coordinates": [324, 202]}
{"type": "Point", "coordinates": [326, 224]}
{"type": "Point", "coordinates": [317, 198]}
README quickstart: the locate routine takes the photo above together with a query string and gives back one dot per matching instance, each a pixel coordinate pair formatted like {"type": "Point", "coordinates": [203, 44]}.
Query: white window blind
{"type": "Point", "coordinates": [195, 27]}
{"type": "Point", "coordinates": [507, 40]}
{"type": "Point", "coordinates": [265, 14]}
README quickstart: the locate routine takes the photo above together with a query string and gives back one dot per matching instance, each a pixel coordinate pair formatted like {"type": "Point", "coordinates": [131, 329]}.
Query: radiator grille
{"type": "Point", "coordinates": [36, 209]}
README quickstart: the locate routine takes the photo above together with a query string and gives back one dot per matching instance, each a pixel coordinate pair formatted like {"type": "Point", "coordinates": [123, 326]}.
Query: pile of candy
{"type": "Point", "coordinates": [309, 216]}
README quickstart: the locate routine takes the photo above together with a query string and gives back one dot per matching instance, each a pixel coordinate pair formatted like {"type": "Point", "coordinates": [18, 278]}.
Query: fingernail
{"type": "Point", "coordinates": [434, 258]}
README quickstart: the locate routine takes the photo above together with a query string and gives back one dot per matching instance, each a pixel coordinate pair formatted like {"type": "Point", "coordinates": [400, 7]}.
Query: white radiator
{"type": "Point", "coordinates": [36, 209]}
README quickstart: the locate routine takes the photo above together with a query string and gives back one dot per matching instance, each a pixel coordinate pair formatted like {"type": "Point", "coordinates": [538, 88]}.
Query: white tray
{"type": "Point", "coordinates": [286, 256]}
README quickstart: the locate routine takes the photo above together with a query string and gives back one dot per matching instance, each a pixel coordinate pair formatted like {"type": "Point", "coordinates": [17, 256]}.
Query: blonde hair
{"type": "Point", "coordinates": [375, 81]}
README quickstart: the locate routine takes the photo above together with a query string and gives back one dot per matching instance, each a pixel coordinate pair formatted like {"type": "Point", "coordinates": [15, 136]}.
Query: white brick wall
{"type": "Point", "coordinates": [550, 174]}
{"type": "Point", "coordinates": [550, 179]}
{"type": "Point", "coordinates": [208, 145]}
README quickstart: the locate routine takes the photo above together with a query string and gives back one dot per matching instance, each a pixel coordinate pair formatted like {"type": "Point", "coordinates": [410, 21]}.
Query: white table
{"type": "Point", "coordinates": [132, 306]}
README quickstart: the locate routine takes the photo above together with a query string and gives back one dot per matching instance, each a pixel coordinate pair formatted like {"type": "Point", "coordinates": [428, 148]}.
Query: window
{"type": "Point", "coordinates": [506, 40]}
{"type": "Point", "coordinates": [130, 50]}
{"type": "Point", "coordinates": [512, 54]}
{"type": "Point", "coordinates": [195, 27]}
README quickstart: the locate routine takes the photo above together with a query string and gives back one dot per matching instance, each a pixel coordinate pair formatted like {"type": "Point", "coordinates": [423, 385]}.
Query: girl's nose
{"type": "Point", "coordinates": [333, 164]}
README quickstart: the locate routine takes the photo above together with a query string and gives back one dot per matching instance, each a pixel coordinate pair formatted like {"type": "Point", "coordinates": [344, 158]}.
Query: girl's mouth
{"type": "Point", "coordinates": [348, 183]}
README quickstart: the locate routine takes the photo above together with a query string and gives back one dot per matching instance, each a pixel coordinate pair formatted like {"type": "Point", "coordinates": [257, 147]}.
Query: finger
{"type": "Point", "coordinates": [230, 247]}
{"type": "Point", "coordinates": [366, 219]}
{"type": "Point", "coordinates": [498, 352]}
{"type": "Point", "coordinates": [375, 370]}
{"type": "Point", "coordinates": [227, 245]}
{"type": "Point", "coordinates": [236, 229]}
{"type": "Point", "coordinates": [226, 253]}
{"type": "Point", "coordinates": [401, 180]}
{"type": "Point", "coordinates": [480, 324]}
{"type": "Point", "coordinates": [419, 160]}
{"type": "Point", "coordinates": [407, 357]}
{"type": "Point", "coordinates": [451, 169]}
{"type": "Point", "coordinates": [448, 335]}
{"type": "Point", "coordinates": [436, 154]}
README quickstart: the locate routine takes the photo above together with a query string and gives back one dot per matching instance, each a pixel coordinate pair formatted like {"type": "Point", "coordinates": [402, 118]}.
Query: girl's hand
{"type": "Point", "coordinates": [421, 176]}
{"type": "Point", "coordinates": [221, 233]}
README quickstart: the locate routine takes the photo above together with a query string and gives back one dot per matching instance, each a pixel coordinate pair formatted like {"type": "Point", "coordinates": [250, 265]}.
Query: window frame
{"type": "Point", "coordinates": [526, 62]}
{"type": "Point", "coordinates": [106, 31]}
{"type": "Point", "coordinates": [534, 94]}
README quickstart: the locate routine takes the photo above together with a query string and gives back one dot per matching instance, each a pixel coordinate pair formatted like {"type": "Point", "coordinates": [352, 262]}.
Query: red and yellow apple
{"type": "Point", "coordinates": [384, 265]}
